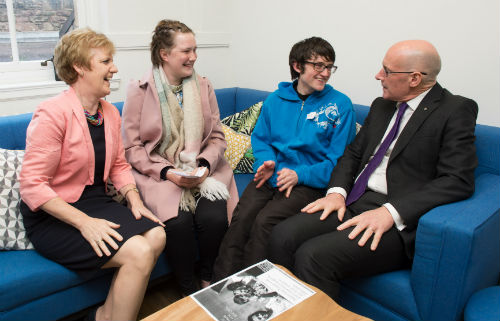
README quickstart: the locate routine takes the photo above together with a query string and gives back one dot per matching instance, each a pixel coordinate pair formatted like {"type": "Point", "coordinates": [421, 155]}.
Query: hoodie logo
{"type": "Point", "coordinates": [325, 115]}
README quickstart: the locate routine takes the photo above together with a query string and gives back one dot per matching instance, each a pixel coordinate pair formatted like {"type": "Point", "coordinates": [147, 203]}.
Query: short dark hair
{"type": "Point", "coordinates": [163, 38]}
{"type": "Point", "coordinates": [307, 49]}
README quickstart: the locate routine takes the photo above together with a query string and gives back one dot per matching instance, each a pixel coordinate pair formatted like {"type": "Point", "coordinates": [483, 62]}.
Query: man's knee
{"type": "Point", "coordinates": [263, 223]}
{"type": "Point", "coordinates": [310, 257]}
{"type": "Point", "coordinates": [305, 255]}
{"type": "Point", "coordinates": [277, 238]}
{"type": "Point", "coordinates": [282, 245]}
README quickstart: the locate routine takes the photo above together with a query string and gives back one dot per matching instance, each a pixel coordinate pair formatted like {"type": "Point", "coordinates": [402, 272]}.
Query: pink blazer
{"type": "Point", "coordinates": [142, 132]}
{"type": "Point", "coordinates": [59, 158]}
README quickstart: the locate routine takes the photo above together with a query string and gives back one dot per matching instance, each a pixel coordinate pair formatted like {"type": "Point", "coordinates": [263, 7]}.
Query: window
{"type": "Point", "coordinates": [27, 81]}
{"type": "Point", "coordinates": [31, 28]}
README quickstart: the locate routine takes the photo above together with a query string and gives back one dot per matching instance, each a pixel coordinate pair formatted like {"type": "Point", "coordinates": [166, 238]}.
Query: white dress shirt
{"type": "Point", "coordinates": [377, 181]}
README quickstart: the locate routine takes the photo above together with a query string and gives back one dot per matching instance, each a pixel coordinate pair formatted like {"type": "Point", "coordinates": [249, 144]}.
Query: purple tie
{"type": "Point", "coordinates": [360, 185]}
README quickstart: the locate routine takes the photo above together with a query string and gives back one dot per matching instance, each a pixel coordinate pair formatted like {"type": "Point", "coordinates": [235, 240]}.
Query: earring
{"type": "Point", "coordinates": [81, 75]}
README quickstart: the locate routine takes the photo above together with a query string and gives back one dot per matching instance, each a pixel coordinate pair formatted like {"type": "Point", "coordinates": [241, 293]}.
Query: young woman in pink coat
{"type": "Point", "coordinates": [73, 147]}
{"type": "Point", "coordinates": [174, 141]}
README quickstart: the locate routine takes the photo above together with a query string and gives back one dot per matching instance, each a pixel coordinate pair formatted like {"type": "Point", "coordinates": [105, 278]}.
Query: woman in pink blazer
{"type": "Point", "coordinates": [174, 141]}
{"type": "Point", "coordinates": [73, 147]}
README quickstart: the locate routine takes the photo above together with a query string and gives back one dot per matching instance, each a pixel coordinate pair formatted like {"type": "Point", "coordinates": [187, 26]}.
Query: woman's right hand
{"type": "Point", "coordinates": [98, 232]}
{"type": "Point", "coordinates": [186, 182]}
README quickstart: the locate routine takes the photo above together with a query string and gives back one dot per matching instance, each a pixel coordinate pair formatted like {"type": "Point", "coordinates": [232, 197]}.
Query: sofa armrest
{"type": "Point", "coordinates": [457, 252]}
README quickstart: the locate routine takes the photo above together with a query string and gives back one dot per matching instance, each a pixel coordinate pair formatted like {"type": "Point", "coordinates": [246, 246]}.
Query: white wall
{"type": "Point", "coordinates": [246, 43]}
{"type": "Point", "coordinates": [131, 23]}
{"type": "Point", "coordinates": [466, 33]}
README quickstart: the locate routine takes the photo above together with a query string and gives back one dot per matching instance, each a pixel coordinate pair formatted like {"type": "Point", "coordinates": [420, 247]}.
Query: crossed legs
{"type": "Point", "coordinates": [135, 261]}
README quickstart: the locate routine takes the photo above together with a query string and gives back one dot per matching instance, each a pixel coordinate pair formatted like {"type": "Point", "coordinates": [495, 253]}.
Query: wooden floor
{"type": "Point", "coordinates": [158, 296]}
{"type": "Point", "coordinates": [160, 293]}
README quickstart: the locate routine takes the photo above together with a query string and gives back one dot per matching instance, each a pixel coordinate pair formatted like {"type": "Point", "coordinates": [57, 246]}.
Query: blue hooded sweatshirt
{"type": "Point", "coordinates": [305, 136]}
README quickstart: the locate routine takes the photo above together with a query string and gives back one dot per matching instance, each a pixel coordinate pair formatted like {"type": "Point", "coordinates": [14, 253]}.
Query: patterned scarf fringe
{"type": "Point", "coordinates": [210, 189]}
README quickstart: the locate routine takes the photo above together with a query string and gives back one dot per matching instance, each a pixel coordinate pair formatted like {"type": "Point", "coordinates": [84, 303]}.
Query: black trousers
{"type": "Point", "coordinates": [258, 211]}
{"type": "Point", "coordinates": [321, 255]}
{"type": "Point", "coordinates": [190, 235]}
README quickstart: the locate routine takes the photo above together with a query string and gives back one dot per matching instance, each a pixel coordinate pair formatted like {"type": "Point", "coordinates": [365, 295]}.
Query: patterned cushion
{"type": "Point", "coordinates": [237, 145]}
{"type": "Point", "coordinates": [12, 232]}
{"type": "Point", "coordinates": [241, 125]}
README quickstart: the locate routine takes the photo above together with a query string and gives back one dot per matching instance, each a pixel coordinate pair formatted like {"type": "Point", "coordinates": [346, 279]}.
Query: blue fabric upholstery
{"type": "Point", "coordinates": [457, 249]}
{"type": "Point", "coordinates": [13, 129]}
{"type": "Point", "coordinates": [457, 252]}
{"type": "Point", "coordinates": [484, 305]}
{"type": "Point", "coordinates": [34, 288]}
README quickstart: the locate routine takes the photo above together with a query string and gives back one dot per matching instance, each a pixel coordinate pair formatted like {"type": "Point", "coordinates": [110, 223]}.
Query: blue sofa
{"type": "Point", "coordinates": [457, 249]}
{"type": "Point", "coordinates": [35, 288]}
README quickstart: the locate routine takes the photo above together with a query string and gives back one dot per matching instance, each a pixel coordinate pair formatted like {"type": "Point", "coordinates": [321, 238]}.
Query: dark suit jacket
{"type": "Point", "coordinates": [432, 162]}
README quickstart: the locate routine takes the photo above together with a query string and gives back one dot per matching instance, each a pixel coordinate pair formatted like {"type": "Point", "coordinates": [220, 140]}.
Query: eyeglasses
{"type": "Point", "coordinates": [319, 66]}
{"type": "Point", "coordinates": [388, 72]}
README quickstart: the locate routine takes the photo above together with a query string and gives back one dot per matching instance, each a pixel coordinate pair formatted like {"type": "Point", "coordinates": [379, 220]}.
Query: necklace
{"type": "Point", "coordinates": [97, 119]}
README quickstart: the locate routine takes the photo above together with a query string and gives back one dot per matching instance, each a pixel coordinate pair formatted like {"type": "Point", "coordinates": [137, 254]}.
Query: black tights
{"type": "Point", "coordinates": [191, 234]}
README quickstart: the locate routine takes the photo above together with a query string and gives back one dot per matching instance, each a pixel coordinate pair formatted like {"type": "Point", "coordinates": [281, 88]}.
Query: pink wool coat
{"type": "Point", "coordinates": [142, 132]}
{"type": "Point", "coordinates": [59, 158]}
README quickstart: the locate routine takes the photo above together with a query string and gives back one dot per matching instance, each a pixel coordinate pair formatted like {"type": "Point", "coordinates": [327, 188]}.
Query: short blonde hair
{"type": "Point", "coordinates": [74, 49]}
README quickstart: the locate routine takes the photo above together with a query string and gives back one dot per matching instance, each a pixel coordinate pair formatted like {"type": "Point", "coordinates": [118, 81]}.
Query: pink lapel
{"type": "Point", "coordinates": [77, 108]}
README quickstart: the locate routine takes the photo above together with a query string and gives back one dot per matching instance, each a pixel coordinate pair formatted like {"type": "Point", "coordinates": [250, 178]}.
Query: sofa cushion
{"type": "Point", "coordinates": [382, 290]}
{"type": "Point", "coordinates": [238, 129]}
{"type": "Point", "coordinates": [12, 232]}
{"type": "Point", "coordinates": [237, 145]}
{"type": "Point", "coordinates": [13, 129]}
{"type": "Point", "coordinates": [26, 275]}
{"type": "Point", "coordinates": [242, 180]}
{"type": "Point", "coordinates": [484, 305]}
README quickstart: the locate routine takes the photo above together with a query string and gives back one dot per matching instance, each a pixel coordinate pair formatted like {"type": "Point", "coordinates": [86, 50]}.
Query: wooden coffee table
{"type": "Point", "coordinates": [319, 307]}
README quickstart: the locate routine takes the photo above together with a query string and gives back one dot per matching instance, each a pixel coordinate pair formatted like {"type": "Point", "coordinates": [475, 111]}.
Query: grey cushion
{"type": "Point", "coordinates": [12, 232]}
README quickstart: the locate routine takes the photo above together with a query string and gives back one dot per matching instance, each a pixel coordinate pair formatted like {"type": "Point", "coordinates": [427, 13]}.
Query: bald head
{"type": "Point", "coordinates": [418, 55]}
{"type": "Point", "coordinates": [409, 68]}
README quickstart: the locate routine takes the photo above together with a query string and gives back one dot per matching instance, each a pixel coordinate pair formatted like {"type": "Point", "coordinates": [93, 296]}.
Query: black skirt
{"type": "Point", "coordinates": [64, 244]}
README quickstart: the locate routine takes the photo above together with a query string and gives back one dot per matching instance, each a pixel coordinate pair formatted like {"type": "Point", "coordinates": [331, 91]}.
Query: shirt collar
{"type": "Point", "coordinates": [413, 103]}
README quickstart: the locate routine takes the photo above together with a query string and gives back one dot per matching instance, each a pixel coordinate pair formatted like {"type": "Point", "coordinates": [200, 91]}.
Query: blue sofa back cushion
{"type": "Point", "coordinates": [232, 100]}
{"type": "Point", "coordinates": [13, 129]}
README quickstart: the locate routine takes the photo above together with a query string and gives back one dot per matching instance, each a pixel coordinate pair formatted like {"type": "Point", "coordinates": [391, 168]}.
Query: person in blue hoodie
{"type": "Point", "coordinates": [303, 128]}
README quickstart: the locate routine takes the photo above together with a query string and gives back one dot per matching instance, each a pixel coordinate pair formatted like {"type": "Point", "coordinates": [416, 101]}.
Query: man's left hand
{"type": "Point", "coordinates": [374, 222]}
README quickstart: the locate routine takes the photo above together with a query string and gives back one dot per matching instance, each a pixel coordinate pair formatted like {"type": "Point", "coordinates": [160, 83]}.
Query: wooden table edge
{"type": "Point", "coordinates": [325, 309]}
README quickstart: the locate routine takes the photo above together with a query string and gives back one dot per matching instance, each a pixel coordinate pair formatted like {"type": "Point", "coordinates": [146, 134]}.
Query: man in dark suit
{"type": "Point", "coordinates": [415, 152]}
